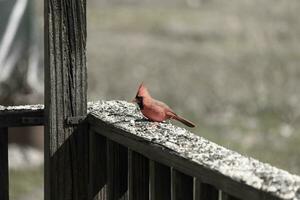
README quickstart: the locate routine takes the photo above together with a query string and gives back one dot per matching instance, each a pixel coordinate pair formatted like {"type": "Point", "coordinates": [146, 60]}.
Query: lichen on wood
{"type": "Point", "coordinates": [196, 149]}
{"type": "Point", "coordinates": [245, 170]}
{"type": "Point", "coordinates": [24, 115]}
{"type": "Point", "coordinates": [10, 109]}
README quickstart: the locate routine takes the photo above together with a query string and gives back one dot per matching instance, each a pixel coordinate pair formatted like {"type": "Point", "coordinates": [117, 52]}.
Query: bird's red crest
{"type": "Point", "coordinates": [142, 91]}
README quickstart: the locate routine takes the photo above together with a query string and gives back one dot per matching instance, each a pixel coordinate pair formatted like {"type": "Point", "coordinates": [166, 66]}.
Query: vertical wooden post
{"type": "Point", "coordinates": [98, 167]}
{"type": "Point", "coordinates": [203, 191]}
{"type": "Point", "coordinates": [138, 176]}
{"type": "Point", "coordinates": [66, 145]}
{"type": "Point", "coordinates": [3, 164]}
{"type": "Point", "coordinates": [160, 181]}
{"type": "Point", "coordinates": [181, 186]}
{"type": "Point", "coordinates": [117, 171]}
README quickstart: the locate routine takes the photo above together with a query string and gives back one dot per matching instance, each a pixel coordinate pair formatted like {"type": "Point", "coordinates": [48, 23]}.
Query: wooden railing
{"type": "Point", "coordinates": [131, 158]}
{"type": "Point", "coordinates": [112, 153]}
{"type": "Point", "coordinates": [162, 162]}
{"type": "Point", "coordinates": [14, 116]}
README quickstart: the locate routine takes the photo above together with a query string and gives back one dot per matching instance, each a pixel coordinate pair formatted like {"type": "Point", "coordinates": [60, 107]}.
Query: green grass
{"type": "Point", "coordinates": [24, 182]}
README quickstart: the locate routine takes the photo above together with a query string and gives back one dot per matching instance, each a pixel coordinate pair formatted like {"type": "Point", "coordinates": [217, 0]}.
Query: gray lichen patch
{"type": "Point", "coordinates": [11, 109]}
{"type": "Point", "coordinates": [262, 176]}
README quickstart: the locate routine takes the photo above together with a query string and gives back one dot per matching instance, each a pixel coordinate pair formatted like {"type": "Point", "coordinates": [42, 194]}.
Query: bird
{"type": "Point", "coordinates": [155, 110]}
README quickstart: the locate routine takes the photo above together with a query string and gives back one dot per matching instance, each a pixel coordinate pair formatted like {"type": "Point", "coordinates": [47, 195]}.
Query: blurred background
{"type": "Point", "coordinates": [232, 67]}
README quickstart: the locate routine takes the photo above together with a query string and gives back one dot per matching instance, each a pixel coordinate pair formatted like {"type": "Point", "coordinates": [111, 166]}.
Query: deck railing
{"type": "Point", "coordinates": [111, 153]}
{"type": "Point", "coordinates": [14, 116]}
{"type": "Point", "coordinates": [146, 160]}
{"type": "Point", "coordinates": [131, 158]}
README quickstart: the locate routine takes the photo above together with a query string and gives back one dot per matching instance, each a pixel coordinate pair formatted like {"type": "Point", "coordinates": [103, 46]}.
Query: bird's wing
{"type": "Point", "coordinates": [163, 105]}
{"type": "Point", "coordinates": [169, 112]}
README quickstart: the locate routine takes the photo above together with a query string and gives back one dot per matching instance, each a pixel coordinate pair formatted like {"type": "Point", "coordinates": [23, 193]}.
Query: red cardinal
{"type": "Point", "coordinates": [156, 110]}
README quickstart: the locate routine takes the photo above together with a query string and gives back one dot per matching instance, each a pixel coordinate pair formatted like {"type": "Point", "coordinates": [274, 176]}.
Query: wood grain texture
{"type": "Point", "coordinates": [3, 164]}
{"type": "Point", "coordinates": [160, 181]}
{"type": "Point", "coordinates": [138, 176]}
{"type": "Point", "coordinates": [26, 115]}
{"type": "Point", "coordinates": [98, 167]}
{"type": "Point", "coordinates": [117, 171]}
{"type": "Point", "coordinates": [203, 191]}
{"type": "Point", "coordinates": [29, 115]}
{"type": "Point", "coordinates": [181, 186]}
{"type": "Point", "coordinates": [66, 147]}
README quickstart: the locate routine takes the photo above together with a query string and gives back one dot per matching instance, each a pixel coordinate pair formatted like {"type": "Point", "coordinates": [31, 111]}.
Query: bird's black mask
{"type": "Point", "coordinates": [139, 101]}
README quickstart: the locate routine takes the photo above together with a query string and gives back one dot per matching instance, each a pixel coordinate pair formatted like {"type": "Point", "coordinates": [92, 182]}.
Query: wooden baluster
{"type": "Point", "coordinates": [181, 186]}
{"type": "Point", "coordinates": [203, 191]}
{"type": "Point", "coordinates": [98, 167]}
{"type": "Point", "coordinates": [138, 167]}
{"type": "Point", "coordinates": [3, 164]}
{"type": "Point", "coordinates": [117, 171]}
{"type": "Point", "coordinates": [160, 181]}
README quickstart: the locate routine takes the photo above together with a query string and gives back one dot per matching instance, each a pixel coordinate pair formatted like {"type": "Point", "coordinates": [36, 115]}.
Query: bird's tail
{"type": "Point", "coordinates": [184, 121]}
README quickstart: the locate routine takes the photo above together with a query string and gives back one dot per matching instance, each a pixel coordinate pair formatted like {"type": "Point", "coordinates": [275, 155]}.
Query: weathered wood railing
{"type": "Point", "coordinates": [112, 153]}
{"type": "Point", "coordinates": [163, 162]}
{"type": "Point", "coordinates": [14, 116]}
{"type": "Point", "coordinates": [130, 158]}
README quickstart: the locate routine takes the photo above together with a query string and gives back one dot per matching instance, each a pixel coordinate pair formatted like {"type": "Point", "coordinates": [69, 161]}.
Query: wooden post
{"type": "Point", "coordinates": [98, 167]}
{"type": "Point", "coordinates": [117, 171]}
{"type": "Point", "coordinates": [181, 186]}
{"type": "Point", "coordinates": [66, 142]}
{"type": "Point", "coordinates": [138, 175]}
{"type": "Point", "coordinates": [203, 191]}
{"type": "Point", "coordinates": [160, 181]}
{"type": "Point", "coordinates": [3, 164]}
